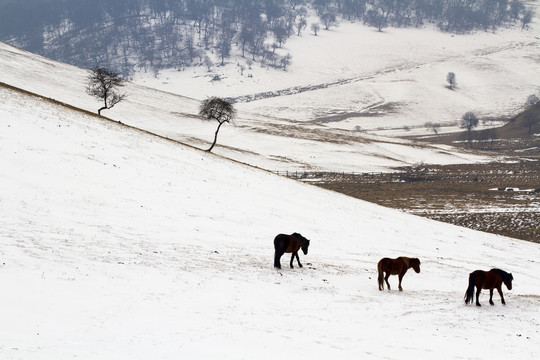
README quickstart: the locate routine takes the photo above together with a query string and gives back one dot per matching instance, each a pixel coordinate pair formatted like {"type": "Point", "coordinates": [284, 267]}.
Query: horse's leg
{"type": "Point", "coordinates": [499, 289]}
{"type": "Point", "coordinates": [399, 285]}
{"type": "Point", "coordinates": [298, 259]}
{"type": "Point", "coordinates": [292, 258]}
{"type": "Point", "coordinates": [478, 289]}
{"type": "Point", "coordinates": [386, 280]}
{"type": "Point", "coordinates": [277, 257]}
{"type": "Point", "coordinates": [491, 297]}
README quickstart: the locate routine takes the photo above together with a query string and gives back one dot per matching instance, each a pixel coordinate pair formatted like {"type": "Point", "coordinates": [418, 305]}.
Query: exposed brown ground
{"type": "Point", "coordinates": [457, 194]}
{"type": "Point", "coordinates": [463, 194]}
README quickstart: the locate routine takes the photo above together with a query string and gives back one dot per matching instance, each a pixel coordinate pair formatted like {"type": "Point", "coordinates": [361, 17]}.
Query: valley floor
{"type": "Point", "coordinates": [499, 198]}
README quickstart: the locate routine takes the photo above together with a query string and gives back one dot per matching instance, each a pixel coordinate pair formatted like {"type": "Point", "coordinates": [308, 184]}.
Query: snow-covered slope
{"type": "Point", "coordinates": [354, 76]}
{"type": "Point", "coordinates": [268, 142]}
{"type": "Point", "coordinates": [116, 244]}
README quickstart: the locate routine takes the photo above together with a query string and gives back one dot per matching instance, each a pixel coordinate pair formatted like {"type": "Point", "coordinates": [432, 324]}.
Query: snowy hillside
{"type": "Point", "coordinates": [117, 244]}
{"type": "Point", "coordinates": [354, 76]}
{"type": "Point", "coordinates": [267, 142]}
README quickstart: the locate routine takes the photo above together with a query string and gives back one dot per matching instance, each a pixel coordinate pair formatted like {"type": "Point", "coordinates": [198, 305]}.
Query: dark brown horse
{"type": "Point", "coordinates": [289, 244]}
{"type": "Point", "coordinates": [492, 279]}
{"type": "Point", "coordinates": [398, 267]}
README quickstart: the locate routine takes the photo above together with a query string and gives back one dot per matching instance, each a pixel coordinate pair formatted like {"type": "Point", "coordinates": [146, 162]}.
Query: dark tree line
{"type": "Point", "coordinates": [150, 34]}
{"type": "Point", "coordinates": [458, 16]}
{"type": "Point", "coordinates": [155, 34]}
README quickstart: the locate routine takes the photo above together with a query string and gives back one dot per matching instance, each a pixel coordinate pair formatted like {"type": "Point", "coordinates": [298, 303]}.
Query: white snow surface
{"type": "Point", "coordinates": [117, 244]}
{"type": "Point", "coordinates": [271, 143]}
{"type": "Point", "coordinates": [380, 81]}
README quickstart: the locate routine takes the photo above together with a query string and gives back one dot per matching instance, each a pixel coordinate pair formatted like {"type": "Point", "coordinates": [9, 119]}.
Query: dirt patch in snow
{"type": "Point", "coordinates": [459, 194]}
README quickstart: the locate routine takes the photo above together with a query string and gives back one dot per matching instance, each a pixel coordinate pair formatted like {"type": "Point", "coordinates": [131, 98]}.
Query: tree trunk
{"type": "Point", "coordinates": [104, 105]}
{"type": "Point", "coordinates": [215, 137]}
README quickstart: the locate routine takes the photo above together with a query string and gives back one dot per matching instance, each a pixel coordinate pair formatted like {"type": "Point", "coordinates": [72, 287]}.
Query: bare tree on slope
{"type": "Point", "coordinates": [217, 109]}
{"type": "Point", "coordinates": [103, 84]}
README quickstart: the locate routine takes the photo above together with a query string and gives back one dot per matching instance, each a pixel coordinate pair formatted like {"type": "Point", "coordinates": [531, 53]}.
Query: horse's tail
{"type": "Point", "coordinates": [469, 294]}
{"type": "Point", "coordinates": [381, 275]}
{"type": "Point", "coordinates": [277, 251]}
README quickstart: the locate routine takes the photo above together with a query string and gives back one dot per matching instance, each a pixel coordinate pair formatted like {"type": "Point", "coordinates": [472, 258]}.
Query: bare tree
{"type": "Point", "coordinates": [315, 27]}
{"type": "Point", "coordinates": [300, 25]}
{"type": "Point", "coordinates": [208, 62]}
{"type": "Point", "coordinates": [244, 37]}
{"type": "Point", "coordinates": [281, 32]}
{"type": "Point", "coordinates": [469, 121]}
{"type": "Point", "coordinates": [285, 61]}
{"type": "Point", "coordinates": [531, 100]}
{"type": "Point", "coordinates": [329, 18]}
{"type": "Point", "coordinates": [451, 78]}
{"type": "Point", "coordinates": [223, 49]}
{"type": "Point", "coordinates": [217, 109]}
{"type": "Point", "coordinates": [377, 19]}
{"type": "Point", "coordinates": [526, 19]}
{"type": "Point", "coordinates": [436, 127]}
{"type": "Point", "coordinates": [103, 84]}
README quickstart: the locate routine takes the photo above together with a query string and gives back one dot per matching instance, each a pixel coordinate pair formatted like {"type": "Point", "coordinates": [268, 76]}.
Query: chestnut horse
{"type": "Point", "coordinates": [289, 244]}
{"type": "Point", "coordinates": [492, 279]}
{"type": "Point", "coordinates": [398, 267]}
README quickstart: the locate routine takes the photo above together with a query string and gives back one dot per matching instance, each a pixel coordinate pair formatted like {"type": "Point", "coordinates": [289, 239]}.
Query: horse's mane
{"type": "Point", "coordinates": [410, 261]}
{"type": "Point", "coordinates": [506, 276]}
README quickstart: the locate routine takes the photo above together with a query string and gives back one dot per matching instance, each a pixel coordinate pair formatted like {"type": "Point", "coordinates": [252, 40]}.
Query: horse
{"type": "Point", "coordinates": [398, 267]}
{"type": "Point", "coordinates": [289, 244]}
{"type": "Point", "coordinates": [492, 279]}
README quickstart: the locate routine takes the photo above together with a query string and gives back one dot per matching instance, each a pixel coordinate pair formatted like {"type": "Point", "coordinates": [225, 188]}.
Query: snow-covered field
{"type": "Point", "coordinates": [120, 245]}
{"type": "Point", "coordinates": [117, 244]}
{"type": "Point", "coordinates": [267, 142]}
{"type": "Point", "coordinates": [347, 79]}
{"type": "Point", "coordinates": [382, 82]}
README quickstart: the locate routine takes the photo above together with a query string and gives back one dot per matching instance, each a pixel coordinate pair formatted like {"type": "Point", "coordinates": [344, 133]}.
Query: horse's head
{"type": "Point", "coordinates": [508, 281]}
{"type": "Point", "coordinates": [415, 264]}
{"type": "Point", "coordinates": [304, 243]}
{"type": "Point", "coordinates": [305, 246]}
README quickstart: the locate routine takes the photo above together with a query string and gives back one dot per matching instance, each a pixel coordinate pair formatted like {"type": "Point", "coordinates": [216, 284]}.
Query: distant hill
{"type": "Point", "coordinates": [152, 35]}
{"type": "Point", "coordinates": [525, 124]}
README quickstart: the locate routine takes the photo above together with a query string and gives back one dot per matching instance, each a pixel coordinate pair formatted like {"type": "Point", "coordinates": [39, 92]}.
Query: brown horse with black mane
{"type": "Point", "coordinates": [289, 244]}
{"type": "Point", "coordinates": [492, 279]}
{"type": "Point", "coordinates": [398, 267]}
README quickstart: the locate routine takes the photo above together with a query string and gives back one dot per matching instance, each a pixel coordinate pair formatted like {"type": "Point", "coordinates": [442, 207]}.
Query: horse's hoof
{"type": "Point", "coordinates": [478, 305]}
{"type": "Point", "coordinates": [300, 265]}
{"type": "Point", "coordinates": [492, 303]}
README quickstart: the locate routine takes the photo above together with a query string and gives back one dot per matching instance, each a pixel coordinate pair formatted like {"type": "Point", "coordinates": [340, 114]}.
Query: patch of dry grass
{"type": "Point", "coordinates": [457, 194]}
